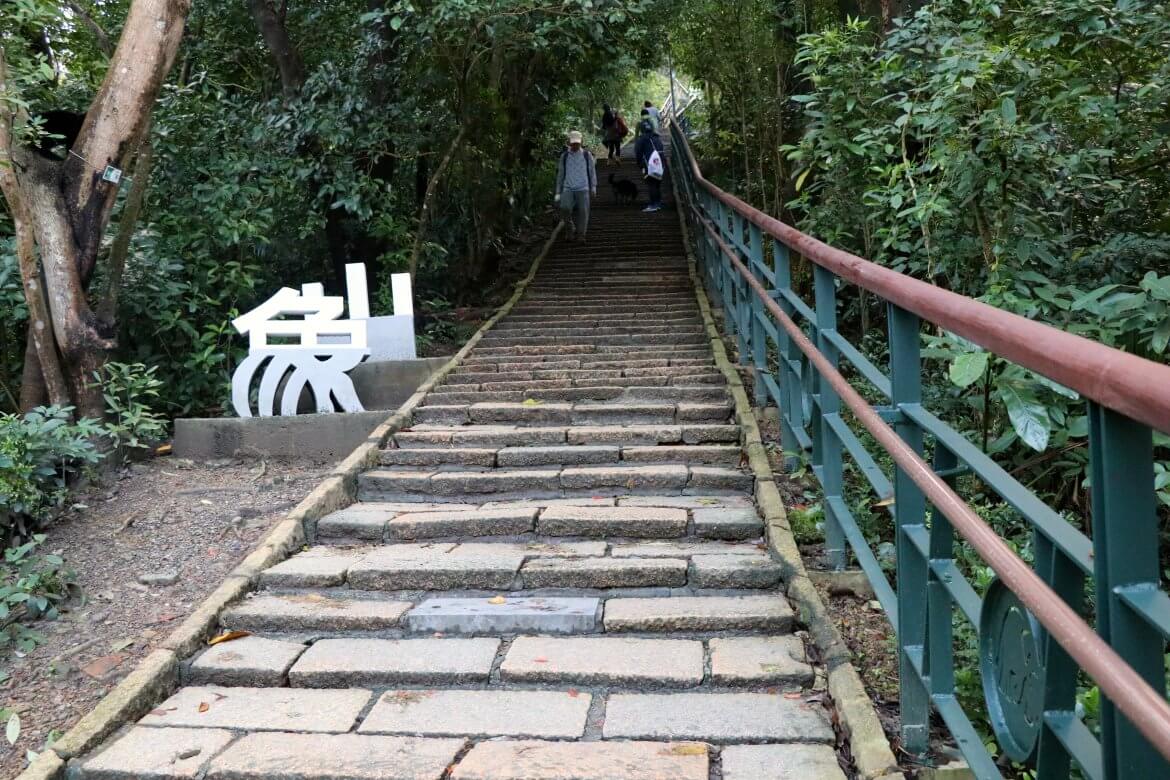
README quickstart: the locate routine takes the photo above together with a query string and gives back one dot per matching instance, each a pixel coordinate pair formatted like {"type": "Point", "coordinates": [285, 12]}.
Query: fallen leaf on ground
{"type": "Point", "coordinates": [165, 449]}
{"type": "Point", "coordinates": [792, 696]}
{"type": "Point", "coordinates": [540, 659]}
{"type": "Point", "coordinates": [162, 711]}
{"type": "Point", "coordinates": [498, 600]}
{"type": "Point", "coordinates": [228, 636]}
{"type": "Point", "coordinates": [165, 618]}
{"type": "Point", "coordinates": [574, 692]}
{"type": "Point", "coordinates": [100, 667]}
{"type": "Point", "coordinates": [687, 749]}
{"type": "Point", "coordinates": [204, 706]}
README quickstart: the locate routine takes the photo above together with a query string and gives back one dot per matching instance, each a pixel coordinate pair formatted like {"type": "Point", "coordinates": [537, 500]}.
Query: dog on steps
{"type": "Point", "coordinates": [624, 190]}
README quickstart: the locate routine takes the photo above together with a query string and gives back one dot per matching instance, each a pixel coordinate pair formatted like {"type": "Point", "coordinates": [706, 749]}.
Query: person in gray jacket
{"type": "Point", "coordinates": [576, 181]}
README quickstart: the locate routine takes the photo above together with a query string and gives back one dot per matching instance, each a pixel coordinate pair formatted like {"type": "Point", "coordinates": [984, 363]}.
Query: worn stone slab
{"type": "Point", "coordinates": [734, 571]}
{"type": "Point", "coordinates": [505, 615]}
{"type": "Point", "coordinates": [433, 456]}
{"type": "Point", "coordinates": [701, 434]}
{"type": "Point", "coordinates": [509, 436]}
{"type": "Point", "coordinates": [396, 481]}
{"type": "Point", "coordinates": [762, 660]}
{"type": "Point", "coordinates": [540, 503]}
{"type": "Point", "coordinates": [537, 548]}
{"type": "Point", "coordinates": [549, 714]}
{"type": "Point", "coordinates": [513, 480]}
{"type": "Point", "coordinates": [157, 754]}
{"type": "Point", "coordinates": [413, 567]}
{"type": "Point", "coordinates": [684, 453]}
{"type": "Point", "coordinates": [624, 435]}
{"type": "Point", "coordinates": [445, 414]}
{"type": "Point", "coordinates": [704, 412]}
{"type": "Point", "coordinates": [260, 709]}
{"type": "Point", "coordinates": [699, 613]}
{"type": "Point", "coordinates": [781, 762]}
{"type": "Point", "coordinates": [318, 567]}
{"type": "Point", "coordinates": [650, 523]}
{"type": "Point", "coordinates": [604, 661]}
{"type": "Point", "coordinates": [543, 456]}
{"type": "Point", "coordinates": [682, 548]}
{"type": "Point", "coordinates": [687, 502]}
{"type": "Point", "coordinates": [627, 477]}
{"type": "Point", "coordinates": [617, 414]}
{"type": "Point", "coordinates": [543, 414]}
{"type": "Point", "coordinates": [604, 573]}
{"type": "Point", "coordinates": [717, 718]}
{"type": "Point", "coordinates": [531, 760]}
{"type": "Point", "coordinates": [727, 522]}
{"type": "Point", "coordinates": [478, 522]}
{"type": "Point", "coordinates": [313, 612]}
{"type": "Point", "coordinates": [250, 661]}
{"type": "Point", "coordinates": [340, 663]}
{"type": "Point", "coordinates": [335, 757]}
{"type": "Point", "coordinates": [704, 478]}
{"type": "Point", "coordinates": [354, 524]}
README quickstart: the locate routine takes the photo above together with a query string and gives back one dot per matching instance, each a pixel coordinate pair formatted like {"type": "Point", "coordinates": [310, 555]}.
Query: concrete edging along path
{"type": "Point", "coordinates": [871, 751]}
{"type": "Point", "coordinates": [157, 675]}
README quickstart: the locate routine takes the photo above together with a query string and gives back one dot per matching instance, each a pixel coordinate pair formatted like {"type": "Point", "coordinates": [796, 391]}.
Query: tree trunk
{"type": "Point", "coordinates": [276, 38]}
{"type": "Point", "coordinates": [65, 206]}
{"type": "Point", "coordinates": [108, 309]}
{"type": "Point", "coordinates": [428, 199]}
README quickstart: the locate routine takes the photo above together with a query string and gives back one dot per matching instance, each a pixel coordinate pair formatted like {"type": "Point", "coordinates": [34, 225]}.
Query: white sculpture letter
{"type": "Point", "coordinates": [323, 347]}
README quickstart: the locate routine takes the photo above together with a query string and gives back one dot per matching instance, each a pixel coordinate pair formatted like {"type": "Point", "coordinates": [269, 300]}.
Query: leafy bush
{"type": "Point", "coordinates": [38, 452]}
{"type": "Point", "coordinates": [128, 389]}
{"type": "Point", "coordinates": [32, 585]}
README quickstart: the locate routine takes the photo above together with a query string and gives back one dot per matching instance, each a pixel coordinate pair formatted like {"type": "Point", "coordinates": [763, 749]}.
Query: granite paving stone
{"type": "Point", "coordinates": [759, 660]}
{"type": "Point", "coordinates": [604, 573]}
{"type": "Point", "coordinates": [490, 713]}
{"type": "Point", "coordinates": [335, 757]}
{"type": "Point", "coordinates": [781, 762]}
{"type": "Point", "coordinates": [476, 522]}
{"type": "Point", "coordinates": [406, 567]}
{"type": "Point", "coordinates": [333, 663]}
{"type": "Point", "coordinates": [731, 522]}
{"type": "Point", "coordinates": [248, 661]}
{"type": "Point", "coordinates": [699, 613]}
{"type": "Point", "coordinates": [313, 612]}
{"type": "Point", "coordinates": [260, 709]}
{"type": "Point", "coordinates": [318, 567]}
{"type": "Point", "coordinates": [533, 760]}
{"type": "Point", "coordinates": [642, 522]}
{"type": "Point", "coordinates": [505, 615]}
{"type": "Point", "coordinates": [157, 754]}
{"type": "Point", "coordinates": [718, 718]}
{"type": "Point", "coordinates": [604, 661]}
{"type": "Point", "coordinates": [734, 571]}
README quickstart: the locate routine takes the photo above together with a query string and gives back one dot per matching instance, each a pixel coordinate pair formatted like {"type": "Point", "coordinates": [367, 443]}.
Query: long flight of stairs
{"type": "Point", "coordinates": [557, 573]}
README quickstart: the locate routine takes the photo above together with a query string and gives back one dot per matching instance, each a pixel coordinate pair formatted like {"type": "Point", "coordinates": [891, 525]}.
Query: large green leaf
{"type": "Point", "coordinates": [1029, 416]}
{"type": "Point", "coordinates": [968, 367]}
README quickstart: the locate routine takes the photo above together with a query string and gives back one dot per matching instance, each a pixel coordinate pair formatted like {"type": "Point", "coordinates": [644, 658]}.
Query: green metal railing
{"type": "Point", "coordinates": [1034, 637]}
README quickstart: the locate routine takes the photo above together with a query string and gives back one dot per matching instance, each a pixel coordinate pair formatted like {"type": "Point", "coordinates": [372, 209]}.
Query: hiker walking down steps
{"type": "Point", "coordinates": [576, 181]}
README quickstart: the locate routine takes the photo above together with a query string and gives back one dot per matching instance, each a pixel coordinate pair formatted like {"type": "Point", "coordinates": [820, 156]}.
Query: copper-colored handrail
{"type": "Point", "coordinates": [1135, 387]}
{"type": "Point", "coordinates": [1137, 700]}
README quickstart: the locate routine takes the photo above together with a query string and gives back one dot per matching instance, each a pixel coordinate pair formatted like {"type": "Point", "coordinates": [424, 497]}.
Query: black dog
{"type": "Point", "coordinates": [624, 189]}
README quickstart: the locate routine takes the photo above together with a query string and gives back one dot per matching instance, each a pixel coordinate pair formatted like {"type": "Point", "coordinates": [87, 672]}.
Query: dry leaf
{"type": "Point", "coordinates": [204, 706]}
{"type": "Point", "coordinates": [228, 636]}
{"type": "Point", "coordinates": [574, 692]}
{"type": "Point", "coordinates": [164, 449]}
{"type": "Point", "coordinates": [687, 749]}
{"type": "Point", "coordinates": [532, 402]}
{"type": "Point", "coordinates": [540, 659]}
{"type": "Point", "coordinates": [498, 600]}
{"type": "Point", "coordinates": [887, 501]}
{"type": "Point", "coordinates": [792, 696]}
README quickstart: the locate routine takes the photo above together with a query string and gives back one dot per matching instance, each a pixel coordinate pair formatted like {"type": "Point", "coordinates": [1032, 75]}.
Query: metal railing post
{"type": "Point", "coordinates": [756, 313]}
{"type": "Point", "coordinates": [1125, 557]}
{"type": "Point", "coordinates": [909, 515]}
{"type": "Point", "coordinates": [826, 445]}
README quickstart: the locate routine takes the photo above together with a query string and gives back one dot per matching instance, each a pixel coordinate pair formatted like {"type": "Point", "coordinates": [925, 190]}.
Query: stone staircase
{"type": "Point", "coordinates": [556, 574]}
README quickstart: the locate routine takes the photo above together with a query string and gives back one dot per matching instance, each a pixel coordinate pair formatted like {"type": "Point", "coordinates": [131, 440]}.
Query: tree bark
{"type": "Point", "coordinates": [108, 309]}
{"type": "Point", "coordinates": [428, 199]}
{"type": "Point", "coordinates": [276, 38]}
{"type": "Point", "coordinates": [65, 206]}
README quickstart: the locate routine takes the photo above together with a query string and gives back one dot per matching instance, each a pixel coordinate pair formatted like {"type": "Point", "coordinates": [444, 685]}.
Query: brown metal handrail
{"type": "Point", "coordinates": [1135, 387]}
{"type": "Point", "coordinates": [1146, 708]}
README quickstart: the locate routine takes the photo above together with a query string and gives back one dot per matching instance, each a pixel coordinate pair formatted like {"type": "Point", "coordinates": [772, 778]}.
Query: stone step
{"type": "Point", "coordinates": [716, 718]}
{"type": "Point", "coordinates": [532, 362]}
{"type": "Point", "coordinates": [563, 455]}
{"type": "Point", "coordinates": [428, 484]}
{"type": "Point", "coordinates": [548, 330]}
{"type": "Point", "coordinates": [660, 340]}
{"type": "Point", "coordinates": [500, 436]}
{"type": "Point", "coordinates": [698, 613]}
{"type": "Point", "coordinates": [491, 378]}
{"type": "Point", "coordinates": [506, 615]}
{"type": "Point", "coordinates": [348, 663]}
{"type": "Point", "coordinates": [313, 612]}
{"type": "Point", "coordinates": [598, 573]}
{"type": "Point", "coordinates": [479, 714]}
{"type": "Point", "coordinates": [584, 413]}
{"type": "Point", "coordinates": [536, 760]}
{"type": "Point", "coordinates": [608, 661]}
{"type": "Point", "coordinates": [586, 516]}
{"type": "Point", "coordinates": [630, 394]}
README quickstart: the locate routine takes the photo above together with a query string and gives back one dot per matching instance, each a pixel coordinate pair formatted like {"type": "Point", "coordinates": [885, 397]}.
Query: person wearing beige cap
{"type": "Point", "coordinates": [576, 181]}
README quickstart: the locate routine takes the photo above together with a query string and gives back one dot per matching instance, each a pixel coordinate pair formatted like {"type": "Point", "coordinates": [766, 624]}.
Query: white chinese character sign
{"type": "Point", "coordinates": [299, 341]}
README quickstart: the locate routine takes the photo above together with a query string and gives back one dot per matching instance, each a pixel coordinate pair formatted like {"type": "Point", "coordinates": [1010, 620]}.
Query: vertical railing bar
{"type": "Point", "coordinates": [827, 444]}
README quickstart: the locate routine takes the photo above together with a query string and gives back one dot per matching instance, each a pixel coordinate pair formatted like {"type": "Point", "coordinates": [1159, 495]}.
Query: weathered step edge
{"type": "Point", "coordinates": [157, 676]}
{"type": "Point", "coordinates": [872, 755]}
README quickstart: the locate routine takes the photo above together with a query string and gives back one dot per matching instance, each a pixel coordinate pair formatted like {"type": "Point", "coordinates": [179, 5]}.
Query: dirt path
{"type": "Point", "coordinates": [167, 516]}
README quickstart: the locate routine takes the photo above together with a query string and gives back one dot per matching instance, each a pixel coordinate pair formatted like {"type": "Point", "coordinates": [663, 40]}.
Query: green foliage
{"type": "Point", "coordinates": [39, 451]}
{"type": "Point", "coordinates": [32, 585]}
{"type": "Point", "coordinates": [130, 390]}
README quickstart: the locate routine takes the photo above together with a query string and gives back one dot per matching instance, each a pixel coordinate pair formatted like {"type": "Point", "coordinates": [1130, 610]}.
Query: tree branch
{"type": "Point", "coordinates": [108, 308]}
{"type": "Point", "coordinates": [103, 39]}
{"type": "Point", "coordinates": [276, 38]}
{"type": "Point", "coordinates": [425, 211]}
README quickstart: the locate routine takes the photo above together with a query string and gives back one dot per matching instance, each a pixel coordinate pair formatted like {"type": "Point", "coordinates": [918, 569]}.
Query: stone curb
{"type": "Point", "coordinates": [157, 675]}
{"type": "Point", "coordinates": [871, 750]}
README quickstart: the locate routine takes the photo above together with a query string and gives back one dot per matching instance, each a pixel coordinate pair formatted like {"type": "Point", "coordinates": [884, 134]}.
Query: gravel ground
{"type": "Point", "coordinates": [168, 516]}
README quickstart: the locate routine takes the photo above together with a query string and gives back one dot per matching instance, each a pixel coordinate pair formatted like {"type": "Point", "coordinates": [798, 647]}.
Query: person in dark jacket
{"type": "Point", "coordinates": [611, 134]}
{"type": "Point", "coordinates": [647, 143]}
